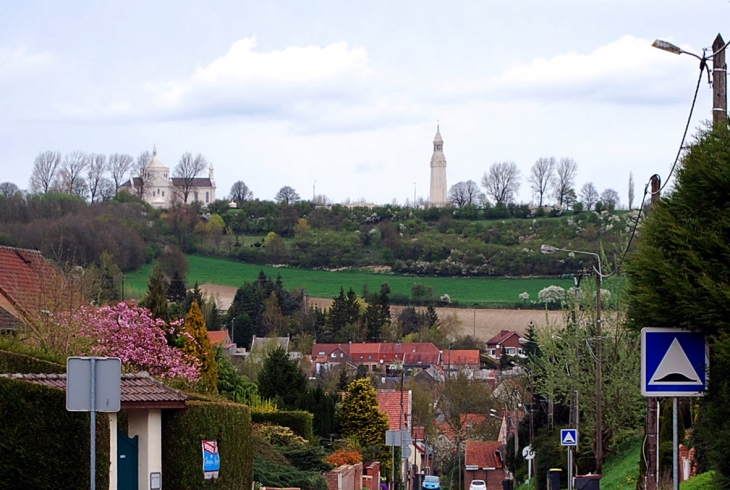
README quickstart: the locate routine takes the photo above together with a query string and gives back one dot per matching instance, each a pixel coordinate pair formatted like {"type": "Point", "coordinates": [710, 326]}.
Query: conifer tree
{"type": "Point", "coordinates": [360, 417]}
{"type": "Point", "coordinates": [156, 298]}
{"type": "Point", "coordinates": [282, 379]}
{"type": "Point", "coordinates": [200, 348]}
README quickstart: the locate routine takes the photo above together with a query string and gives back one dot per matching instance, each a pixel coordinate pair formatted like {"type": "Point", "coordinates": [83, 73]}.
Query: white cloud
{"type": "Point", "coordinates": [19, 60]}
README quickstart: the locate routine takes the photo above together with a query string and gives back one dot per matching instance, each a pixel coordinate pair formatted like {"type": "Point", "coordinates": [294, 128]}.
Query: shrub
{"type": "Point", "coordinates": [344, 456]}
{"type": "Point", "coordinates": [298, 421]}
{"type": "Point", "coordinates": [182, 433]}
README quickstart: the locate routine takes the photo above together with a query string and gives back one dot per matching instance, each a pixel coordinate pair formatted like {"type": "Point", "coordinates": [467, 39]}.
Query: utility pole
{"type": "Point", "coordinates": [599, 376]}
{"type": "Point", "coordinates": [719, 83]}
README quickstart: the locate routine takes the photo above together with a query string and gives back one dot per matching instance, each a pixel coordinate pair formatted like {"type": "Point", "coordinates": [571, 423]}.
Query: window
{"type": "Point", "coordinates": [334, 355]}
{"type": "Point", "coordinates": [511, 351]}
{"type": "Point", "coordinates": [491, 352]}
{"type": "Point", "coordinates": [163, 193]}
{"type": "Point", "coordinates": [370, 358]}
{"type": "Point", "coordinates": [206, 197]}
{"type": "Point", "coordinates": [322, 353]}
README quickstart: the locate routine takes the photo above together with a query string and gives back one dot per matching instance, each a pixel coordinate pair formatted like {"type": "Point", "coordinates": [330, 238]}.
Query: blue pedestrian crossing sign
{"type": "Point", "coordinates": [673, 362]}
{"type": "Point", "coordinates": [568, 437]}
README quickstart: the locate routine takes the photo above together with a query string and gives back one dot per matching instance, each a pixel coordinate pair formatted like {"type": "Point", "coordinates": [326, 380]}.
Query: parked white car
{"type": "Point", "coordinates": [478, 485]}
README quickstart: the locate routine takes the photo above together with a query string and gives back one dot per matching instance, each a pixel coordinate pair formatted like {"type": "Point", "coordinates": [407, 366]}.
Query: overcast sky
{"type": "Point", "coordinates": [348, 94]}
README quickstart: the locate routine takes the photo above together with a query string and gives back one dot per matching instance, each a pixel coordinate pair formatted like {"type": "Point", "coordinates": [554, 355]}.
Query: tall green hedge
{"type": "Point", "coordinates": [182, 454]}
{"type": "Point", "coordinates": [43, 446]}
{"type": "Point", "coordinates": [13, 363]}
{"type": "Point", "coordinates": [299, 421]}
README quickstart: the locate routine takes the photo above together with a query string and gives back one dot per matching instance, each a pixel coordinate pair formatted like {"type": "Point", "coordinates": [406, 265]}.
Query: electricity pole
{"type": "Point", "coordinates": [719, 83]}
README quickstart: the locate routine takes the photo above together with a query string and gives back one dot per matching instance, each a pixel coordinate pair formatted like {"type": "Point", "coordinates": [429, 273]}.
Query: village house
{"type": "Point", "coordinates": [376, 357]}
{"type": "Point", "coordinates": [484, 461]}
{"type": "Point", "coordinates": [506, 341]}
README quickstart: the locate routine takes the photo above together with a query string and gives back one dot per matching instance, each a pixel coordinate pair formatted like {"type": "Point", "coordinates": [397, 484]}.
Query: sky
{"type": "Point", "coordinates": [343, 98]}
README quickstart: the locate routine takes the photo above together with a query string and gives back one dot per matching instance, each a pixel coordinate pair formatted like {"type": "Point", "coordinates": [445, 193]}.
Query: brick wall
{"type": "Point", "coordinates": [346, 477]}
{"type": "Point", "coordinates": [371, 476]}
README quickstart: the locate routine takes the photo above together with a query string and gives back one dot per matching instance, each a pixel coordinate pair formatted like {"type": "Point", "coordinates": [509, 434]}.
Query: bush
{"type": "Point", "coordinates": [43, 445]}
{"type": "Point", "coordinates": [182, 433]}
{"type": "Point", "coordinates": [12, 362]}
{"type": "Point", "coordinates": [270, 474]}
{"type": "Point", "coordinates": [298, 421]}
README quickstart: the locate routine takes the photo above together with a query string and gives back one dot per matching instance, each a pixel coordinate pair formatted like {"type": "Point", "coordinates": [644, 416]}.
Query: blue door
{"type": "Point", "coordinates": [127, 461]}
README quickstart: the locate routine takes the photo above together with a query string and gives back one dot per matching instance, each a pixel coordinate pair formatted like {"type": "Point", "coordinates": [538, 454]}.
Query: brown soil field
{"type": "Point", "coordinates": [485, 322]}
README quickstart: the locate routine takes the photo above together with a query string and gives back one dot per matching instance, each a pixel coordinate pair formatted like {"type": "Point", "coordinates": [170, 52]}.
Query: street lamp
{"type": "Point", "coordinates": [667, 46]}
{"type": "Point", "coordinates": [549, 249]}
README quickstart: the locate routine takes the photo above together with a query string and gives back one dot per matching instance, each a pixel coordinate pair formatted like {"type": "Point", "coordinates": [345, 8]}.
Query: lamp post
{"type": "Point", "coordinates": [314, 193]}
{"type": "Point", "coordinates": [719, 74]}
{"type": "Point", "coordinates": [549, 249]}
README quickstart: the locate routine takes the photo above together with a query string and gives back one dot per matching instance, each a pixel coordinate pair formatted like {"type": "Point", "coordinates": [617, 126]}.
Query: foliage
{"type": "Point", "coordinates": [156, 298]}
{"type": "Point", "coordinates": [551, 294]}
{"type": "Point", "coordinates": [26, 361]}
{"type": "Point", "coordinates": [182, 433]}
{"type": "Point", "coordinates": [344, 456]}
{"type": "Point", "coordinates": [306, 457]}
{"type": "Point", "coordinates": [278, 435]}
{"type": "Point", "coordinates": [35, 436]}
{"type": "Point", "coordinates": [360, 417]}
{"type": "Point", "coordinates": [322, 406]}
{"type": "Point", "coordinates": [131, 334]}
{"type": "Point", "coordinates": [281, 378]}
{"type": "Point", "coordinates": [196, 344]}
{"type": "Point", "coordinates": [679, 276]}
{"type": "Point", "coordinates": [298, 421]}
{"type": "Point", "coordinates": [270, 474]}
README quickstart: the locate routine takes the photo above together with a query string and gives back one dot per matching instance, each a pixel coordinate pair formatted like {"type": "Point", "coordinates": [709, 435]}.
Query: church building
{"type": "Point", "coordinates": [160, 190]}
{"type": "Point", "coordinates": [438, 172]}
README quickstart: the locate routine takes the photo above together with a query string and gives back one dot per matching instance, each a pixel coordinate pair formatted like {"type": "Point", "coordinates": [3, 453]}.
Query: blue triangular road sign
{"type": "Point", "coordinates": [673, 362]}
{"type": "Point", "coordinates": [569, 437]}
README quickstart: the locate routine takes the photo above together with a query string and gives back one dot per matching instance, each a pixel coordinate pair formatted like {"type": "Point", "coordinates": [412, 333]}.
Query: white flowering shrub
{"type": "Point", "coordinates": [524, 296]}
{"type": "Point", "coordinates": [445, 298]}
{"type": "Point", "coordinates": [551, 294]}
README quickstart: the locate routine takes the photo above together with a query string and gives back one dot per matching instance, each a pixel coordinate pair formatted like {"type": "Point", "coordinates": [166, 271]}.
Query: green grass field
{"type": "Point", "coordinates": [326, 284]}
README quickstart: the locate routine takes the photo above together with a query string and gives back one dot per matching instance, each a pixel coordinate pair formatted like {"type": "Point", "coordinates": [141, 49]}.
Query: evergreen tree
{"type": "Point", "coordinates": [360, 417]}
{"type": "Point", "coordinates": [156, 298]}
{"type": "Point", "coordinates": [343, 379]}
{"type": "Point", "coordinates": [242, 327]}
{"type": "Point", "coordinates": [272, 320]}
{"type": "Point", "coordinates": [200, 348]}
{"type": "Point", "coordinates": [433, 318]}
{"type": "Point", "coordinates": [111, 274]}
{"type": "Point", "coordinates": [176, 293]}
{"type": "Point", "coordinates": [282, 379]}
{"type": "Point", "coordinates": [679, 277]}
{"type": "Point", "coordinates": [337, 314]}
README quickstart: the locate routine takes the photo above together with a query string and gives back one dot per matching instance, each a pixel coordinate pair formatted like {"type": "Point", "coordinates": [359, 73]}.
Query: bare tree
{"type": "Point", "coordinates": [119, 164]}
{"type": "Point", "coordinates": [186, 171]}
{"type": "Point", "coordinates": [610, 197]}
{"type": "Point", "coordinates": [240, 193]}
{"type": "Point", "coordinates": [457, 194]}
{"type": "Point", "coordinates": [287, 195]}
{"type": "Point", "coordinates": [564, 180]}
{"type": "Point", "coordinates": [141, 168]}
{"type": "Point", "coordinates": [95, 173]}
{"type": "Point", "coordinates": [74, 163]}
{"type": "Point", "coordinates": [472, 193]}
{"type": "Point", "coordinates": [8, 189]}
{"type": "Point", "coordinates": [588, 195]}
{"type": "Point", "coordinates": [44, 171]}
{"type": "Point", "coordinates": [80, 188]}
{"type": "Point", "coordinates": [107, 189]}
{"type": "Point", "coordinates": [631, 190]}
{"type": "Point", "coordinates": [502, 181]}
{"type": "Point", "coordinates": [541, 174]}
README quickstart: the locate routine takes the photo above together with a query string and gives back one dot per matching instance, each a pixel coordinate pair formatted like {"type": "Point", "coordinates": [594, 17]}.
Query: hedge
{"type": "Point", "coordinates": [299, 421]}
{"type": "Point", "coordinates": [270, 474]}
{"type": "Point", "coordinates": [182, 454]}
{"type": "Point", "coordinates": [43, 446]}
{"type": "Point", "coordinates": [14, 363]}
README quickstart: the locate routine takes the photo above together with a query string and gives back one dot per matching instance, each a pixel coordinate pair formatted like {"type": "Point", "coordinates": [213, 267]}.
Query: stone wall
{"type": "Point", "coordinates": [346, 477]}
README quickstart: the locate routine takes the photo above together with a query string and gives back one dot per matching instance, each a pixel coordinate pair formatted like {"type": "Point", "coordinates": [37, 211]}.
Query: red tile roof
{"type": "Point", "coordinates": [468, 420]}
{"type": "Point", "coordinates": [483, 454]}
{"type": "Point", "coordinates": [462, 357]}
{"type": "Point", "coordinates": [502, 336]}
{"type": "Point", "coordinates": [419, 433]}
{"type": "Point", "coordinates": [389, 403]}
{"type": "Point", "coordinates": [413, 354]}
{"type": "Point", "coordinates": [138, 390]}
{"type": "Point", "coordinates": [26, 276]}
{"type": "Point", "coordinates": [218, 337]}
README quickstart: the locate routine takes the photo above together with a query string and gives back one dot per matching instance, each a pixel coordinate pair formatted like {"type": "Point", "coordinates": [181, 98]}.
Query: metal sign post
{"type": "Point", "coordinates": [569, 437]}
{"type": "Point", "coordinates": [93, 384]}
{"type": "Point", "coordinates": [674, 363]}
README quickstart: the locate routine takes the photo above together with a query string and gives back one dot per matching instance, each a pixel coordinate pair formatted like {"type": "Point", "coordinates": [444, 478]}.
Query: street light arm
{"type": "Point", "coordinates": [671, 48]}
{"type": "Point", "coordinates": [549, 249]}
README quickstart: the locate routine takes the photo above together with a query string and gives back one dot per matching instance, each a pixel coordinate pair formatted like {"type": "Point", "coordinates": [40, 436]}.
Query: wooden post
{"type": "Point", "coordinates": [719, 83]}
{"type": "Point", "coordinates": [651, 481]}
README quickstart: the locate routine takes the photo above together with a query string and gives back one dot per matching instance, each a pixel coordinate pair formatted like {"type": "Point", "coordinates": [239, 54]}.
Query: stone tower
{"type": "Point", "coordinates": [438, 172]}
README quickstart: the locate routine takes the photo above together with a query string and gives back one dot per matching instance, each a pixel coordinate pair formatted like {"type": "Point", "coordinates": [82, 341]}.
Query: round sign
{"type": "Point", "coordinates": [528, 453]}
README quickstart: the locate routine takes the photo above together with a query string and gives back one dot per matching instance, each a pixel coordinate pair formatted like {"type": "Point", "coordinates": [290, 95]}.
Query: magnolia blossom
{"type": "Point", "coordinates": [131, 334]}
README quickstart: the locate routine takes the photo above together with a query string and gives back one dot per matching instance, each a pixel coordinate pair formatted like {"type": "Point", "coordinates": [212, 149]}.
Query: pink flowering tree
{"type": "Point", "coordinates": [131, 334]}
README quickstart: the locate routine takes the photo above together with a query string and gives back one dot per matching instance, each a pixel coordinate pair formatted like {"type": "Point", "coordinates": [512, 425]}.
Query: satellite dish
{"type": "Point", "coordinates": [528, 453]}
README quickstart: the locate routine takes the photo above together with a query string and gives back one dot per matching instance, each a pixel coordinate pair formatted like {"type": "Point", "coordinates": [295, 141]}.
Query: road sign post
{"type": "Point", "coordinates": [674, 363]}
{"type": "Point", "coordinates": [93, 384]}
{"type": "Point", "coordinates": [569, 438]}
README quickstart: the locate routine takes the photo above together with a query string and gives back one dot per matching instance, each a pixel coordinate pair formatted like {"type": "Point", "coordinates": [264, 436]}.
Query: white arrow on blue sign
{"type": "Point", "coordinates": [673, 362]}
{"type": "Point", "coordinates": [569, 437]}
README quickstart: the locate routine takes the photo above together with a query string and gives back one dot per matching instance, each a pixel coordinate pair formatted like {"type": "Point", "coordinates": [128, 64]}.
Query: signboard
{"type": "Point", "coordinates": [673, 362]}
{"type": "Point", "coordinates": [528, 453]}
{"type": "Point", "coordinates": [107, 384]}
{"type": "Point", "coordinates": [394, 437]}
{"type": "Point", "coordinates": [211, 459]}
{"type": "Point", "coordinates": [568, 437]}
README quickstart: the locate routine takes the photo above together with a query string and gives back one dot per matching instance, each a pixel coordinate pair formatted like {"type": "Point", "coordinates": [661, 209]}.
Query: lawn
{"type": "Point", "coordinates": [325, 284]}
